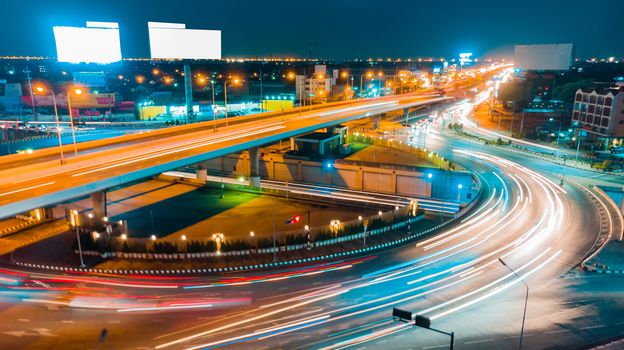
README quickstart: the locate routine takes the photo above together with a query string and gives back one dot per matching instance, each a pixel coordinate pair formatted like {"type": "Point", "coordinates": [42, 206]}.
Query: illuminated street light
{"type": "Point", "coordinates": [368, 75]}
{"type": "Point", "coordinates": [232, 81]}
{"type": "Point", "coordinates": [41, 89]}
{"type": "Point", "coordinates": [124, 236]}
{"type": "Point", "coordinates": [153, 237]}
{"type": "Point", "coordinates": [379, 213]}
{"type": "Point", "coordinates": [183, 237]}
{"type": "Point", "coordinates": [78, 92]}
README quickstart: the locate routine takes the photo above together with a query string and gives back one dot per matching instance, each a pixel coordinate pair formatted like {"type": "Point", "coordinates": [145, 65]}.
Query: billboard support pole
{"type": "Point", "coordinates": [188, 90]}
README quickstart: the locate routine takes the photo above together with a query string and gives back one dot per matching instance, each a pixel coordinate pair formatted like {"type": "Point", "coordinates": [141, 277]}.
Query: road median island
{"type": "Point", "coordinates": [393, 234]}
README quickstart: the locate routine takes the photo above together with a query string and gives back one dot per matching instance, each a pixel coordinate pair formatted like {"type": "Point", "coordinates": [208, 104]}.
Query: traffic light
{"type": "Point", "coordinates": [294, 220]}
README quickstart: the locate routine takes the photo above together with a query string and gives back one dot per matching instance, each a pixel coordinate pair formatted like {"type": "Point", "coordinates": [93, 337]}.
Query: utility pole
{"type": "Point", "coordinates": [310, 49]}
{"type": "Point", "coordinates": [274, 242]}
{"type": "Point", "coordinates": [261, 94]}
{"type": "Point", "coordinates": [32, 97]}
{"type": "Point", "coordinates": [188, 90]}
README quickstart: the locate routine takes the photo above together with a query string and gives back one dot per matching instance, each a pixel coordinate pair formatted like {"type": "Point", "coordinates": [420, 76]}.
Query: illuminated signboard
{"type": "Point", "coordinates": [98, 42]}
{"type": "Point", "coordinates": [556, 57]}
{"type": "Point", "coordinates": [464, 58]}
{"type": "Point", "coordinates": [174, 41]}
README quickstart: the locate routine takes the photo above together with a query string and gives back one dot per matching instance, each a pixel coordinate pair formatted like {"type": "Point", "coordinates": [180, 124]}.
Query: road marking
{"type": "Point", "coordinates": [67, 321]}
{"type": "Point", "coordinates": [381, 341]}
{"type": "Point", "coordinates": [26, 188]}
{"type": "Point", "coordinates": [557, 331]}
{"type": "Point", "coordinates": [114, 321]}
{"type": "Point", "coordinates": [158, 320]}
{"type": "Point", "coordinates": [478, 341]}
{"type": "Point", "coordinates": [435, 346]}
{"type": "Point", "coordinates": [23, 320]}
{"type": "Point", "coordinates": [594, 327]}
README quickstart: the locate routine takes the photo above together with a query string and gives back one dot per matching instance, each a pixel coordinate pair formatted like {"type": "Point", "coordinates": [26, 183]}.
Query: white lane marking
{"type": "Point", "coordinates": [445, 346]}
{"type": "Point", "coordinates": [27, 188]}
{"type": "Point", "coordinates": [594, 327]}
{"type": "Point", "coordinates": [479, 341]}
{"type": "Point", "coordinates": [178, 150]}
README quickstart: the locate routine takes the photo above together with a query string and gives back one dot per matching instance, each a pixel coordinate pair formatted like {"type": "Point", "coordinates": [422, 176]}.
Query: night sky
{"type": "Point", "coordinates": [338, 28]}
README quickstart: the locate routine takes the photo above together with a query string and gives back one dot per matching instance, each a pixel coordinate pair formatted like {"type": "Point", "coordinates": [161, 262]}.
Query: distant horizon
{"type": "Point", "coordinates": [344, 29]}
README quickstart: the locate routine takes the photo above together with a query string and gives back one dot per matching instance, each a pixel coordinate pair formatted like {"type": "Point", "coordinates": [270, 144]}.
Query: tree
{"type": "Point", "coordinates": [566, 92]}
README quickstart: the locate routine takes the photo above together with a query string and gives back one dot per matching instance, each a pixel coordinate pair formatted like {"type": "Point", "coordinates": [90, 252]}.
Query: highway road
{"type": "Point", "coordinates": [539, 228]}
{"type": "Point", "coordinates": [35, 144]}
{"type": "Point", "coordinates": [38, 180]}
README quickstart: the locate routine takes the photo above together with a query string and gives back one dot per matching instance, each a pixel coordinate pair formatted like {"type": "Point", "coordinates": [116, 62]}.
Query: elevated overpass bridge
{"type": "Point", "coordinates": [30, 181]}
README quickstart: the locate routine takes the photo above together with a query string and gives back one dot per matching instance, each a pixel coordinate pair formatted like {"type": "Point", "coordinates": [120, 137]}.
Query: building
{"type": "Point", "coordinates": [600, 112]}
{"type": "Point", "coordinates": [316, 88]}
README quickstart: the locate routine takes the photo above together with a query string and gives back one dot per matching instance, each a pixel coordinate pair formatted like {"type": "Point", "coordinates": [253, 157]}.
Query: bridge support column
{"type": "Point", "coordinates": [202, 175]}
{"type": "Point", "coordinates": [98, 202]}
{"type": "Point", "coordinates": [376, 121]}
{"type": "Point", "coordinates": [254, 167]}
{"type": "Point", "coordinates": [201, 172]}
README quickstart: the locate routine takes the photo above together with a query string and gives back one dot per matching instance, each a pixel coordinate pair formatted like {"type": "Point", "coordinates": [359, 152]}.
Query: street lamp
{"type": "Point", "coordinates": [41, 89]}
{"type": "Point", "coordinates": [558, 133]}
{"type": "Point", "coordinates": [153, 237]}
{"type": "Point", "coordinates": [526, 299]}
{"type": "Point", "coordinates": [459, 187]}
{"type": "Point", "coordinates": [78, 92]}
{"type": "Point", "coordinates": [368, 75]}
{"type": "Point", "coordinates": [232, 81]}
{"type": "Point", "coordinates": [218, 238]}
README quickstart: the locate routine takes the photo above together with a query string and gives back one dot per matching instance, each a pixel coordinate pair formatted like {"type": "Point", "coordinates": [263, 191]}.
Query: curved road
{"type": "Point", "coordinates": [538, 228]}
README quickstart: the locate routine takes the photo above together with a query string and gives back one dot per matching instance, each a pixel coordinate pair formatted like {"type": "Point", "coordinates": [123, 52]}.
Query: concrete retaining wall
{"type": "Point", "coordinates": [414, 183]}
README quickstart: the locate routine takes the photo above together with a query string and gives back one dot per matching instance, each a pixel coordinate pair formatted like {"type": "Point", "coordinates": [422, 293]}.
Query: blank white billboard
{"type": "Point", "coordinates": [174, 41]}
{"type": "Point", "coordinates": [556, 57]}
{"type": "Point", "coordinates": [98, 43]}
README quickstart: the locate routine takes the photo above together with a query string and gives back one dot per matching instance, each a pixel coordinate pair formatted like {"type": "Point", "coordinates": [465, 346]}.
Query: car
{"type": "Point", "coordinates": [616, 149]}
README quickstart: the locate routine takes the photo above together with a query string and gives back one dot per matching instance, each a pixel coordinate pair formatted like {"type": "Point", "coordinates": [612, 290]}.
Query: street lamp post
{"type": "Point", "coordinates": [274, 242]}
{"type": "Point", "coordinates": [56, 118]}
{"type": "Point", "coordinates": [558, 134]}
{"type": "Point", "coordinates": [71, 118]}
{"type": "Point", "coordinates": [368, 75]}
{"type": "Point", "coordinates": [526, 299]}
{"type": "Point", "coordinates": [225, 84]}
{"type": "Point", "coordinates": [459, 188]}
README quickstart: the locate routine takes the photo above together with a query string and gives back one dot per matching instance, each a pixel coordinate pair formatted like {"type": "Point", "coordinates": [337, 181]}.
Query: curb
{"type": "Point", "coordinates": [16, 228]}
{"type": "Point", "coordinates": [237, 268]}
{"type": "Point", "coordinates": [603, 269]}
